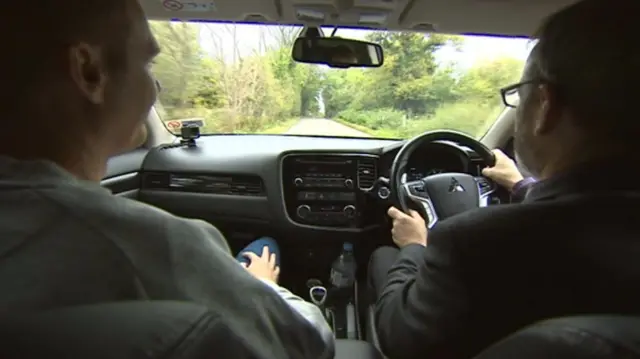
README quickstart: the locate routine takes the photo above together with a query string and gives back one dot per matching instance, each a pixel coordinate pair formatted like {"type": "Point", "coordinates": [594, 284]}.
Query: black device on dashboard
{"type": "Point", "coordinates": [326, 190]}
{"type": "Point", "coordinates": [188, 135]}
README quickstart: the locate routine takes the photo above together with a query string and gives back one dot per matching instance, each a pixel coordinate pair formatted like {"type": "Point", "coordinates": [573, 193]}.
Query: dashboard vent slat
{"type": "Point", "coordinates": [155, 180]}
{"type": "Point", "coordinates": [235, 185]}
{"type": "Point", "coordinates": [367, 173]}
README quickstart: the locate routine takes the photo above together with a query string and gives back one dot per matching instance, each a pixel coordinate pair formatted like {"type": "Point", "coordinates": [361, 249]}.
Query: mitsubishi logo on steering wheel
{"type": "Point", "coordinates": [455, 186]}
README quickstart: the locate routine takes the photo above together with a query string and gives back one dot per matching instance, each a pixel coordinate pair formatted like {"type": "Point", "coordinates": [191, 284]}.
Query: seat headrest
{"type": "Point", "coordinates": [587, 337]}
{"type": "Point", "coordinates": [122, 330]}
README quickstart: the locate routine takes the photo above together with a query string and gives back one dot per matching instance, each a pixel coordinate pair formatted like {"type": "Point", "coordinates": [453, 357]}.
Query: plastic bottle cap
{"type": "Point", "coordinates": [347, 246]}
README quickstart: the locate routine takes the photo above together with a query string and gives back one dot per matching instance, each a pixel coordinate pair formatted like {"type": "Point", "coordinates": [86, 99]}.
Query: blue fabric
{"type": "Point", "coordinates": [257, 246]}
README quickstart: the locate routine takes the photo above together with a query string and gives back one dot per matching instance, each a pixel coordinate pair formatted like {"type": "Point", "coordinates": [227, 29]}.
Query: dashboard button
{"type": "Point", "coordinates": [349, 211]}
{"type": "Point", "coordinates": [298, 182]}
{"type": "Point", "coordinates": [348, 183]}
{"type": "Point", "coordinates": [303, 211]}
{"type": "Point", "coordinates": [383, 192]}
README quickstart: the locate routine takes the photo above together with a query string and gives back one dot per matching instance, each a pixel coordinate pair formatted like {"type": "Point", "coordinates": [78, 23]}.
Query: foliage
{"type": "Point", "coordinates": [267, 92]}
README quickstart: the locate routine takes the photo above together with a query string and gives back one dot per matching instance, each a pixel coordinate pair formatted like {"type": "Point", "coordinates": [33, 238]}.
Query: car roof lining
{"type": "Point", "coordinates": [491, 17]}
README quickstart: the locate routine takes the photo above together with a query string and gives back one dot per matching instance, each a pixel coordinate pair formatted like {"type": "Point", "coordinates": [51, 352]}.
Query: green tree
{"type": "Point", "coordinates": [303, 79]}
{"type": "Point", "coordinates": [179, 68]}
{"type": "Point", "coordinates": [483, 81]}
{"type": "Point", "coordinates": [406, 81]}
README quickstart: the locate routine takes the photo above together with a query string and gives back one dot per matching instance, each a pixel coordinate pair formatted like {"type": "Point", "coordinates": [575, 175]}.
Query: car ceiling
{"type": "Point", "coordinates": [496, 17]}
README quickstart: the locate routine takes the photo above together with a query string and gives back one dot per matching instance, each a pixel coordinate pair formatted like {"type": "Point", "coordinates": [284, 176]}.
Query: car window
{"type": "Point", "coordinates": [240, 78]}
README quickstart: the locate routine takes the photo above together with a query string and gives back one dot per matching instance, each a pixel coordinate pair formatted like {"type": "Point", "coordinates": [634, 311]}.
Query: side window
{"type": "Point", "coordinates": [509, 150]}
{"type": "Point", "coordinates": [138, 139]}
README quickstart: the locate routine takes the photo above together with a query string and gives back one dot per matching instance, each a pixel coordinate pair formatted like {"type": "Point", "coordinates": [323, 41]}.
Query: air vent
{"type": "Point", "coordinates": [155, 180]}
{"type": "Point", "coordinates": [248, 186]}
{"type": "Point", "coordinates": [367, 173]}
{"type": "Point", "coordinates": [239, 185]}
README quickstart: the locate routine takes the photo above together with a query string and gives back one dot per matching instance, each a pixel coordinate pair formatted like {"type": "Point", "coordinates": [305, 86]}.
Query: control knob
{"type": "Point", "coordinates": [298, 182]}
{"type": "Point", "coordinates": [348, 183]}
{"type": "Point", "coordinates": [303, 211]}
{"type": "Point", "coordinates": [349, 211]}
{"type": "Point", "coordinates": [383, 192]}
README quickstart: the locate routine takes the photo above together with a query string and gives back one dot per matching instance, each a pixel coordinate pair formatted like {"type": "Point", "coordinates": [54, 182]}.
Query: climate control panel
{"type": "Point", "coordinates": [326, 190]}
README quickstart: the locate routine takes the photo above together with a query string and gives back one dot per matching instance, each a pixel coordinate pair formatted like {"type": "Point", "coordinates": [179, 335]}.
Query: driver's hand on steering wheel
{"type": "Point", "coordinates": [504, 172]}
{"type": "Point", "coordinates": [407, 228]}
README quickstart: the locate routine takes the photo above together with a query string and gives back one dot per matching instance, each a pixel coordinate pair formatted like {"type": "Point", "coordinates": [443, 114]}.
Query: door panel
{"type": "Point", "coordinates": [123, 173]}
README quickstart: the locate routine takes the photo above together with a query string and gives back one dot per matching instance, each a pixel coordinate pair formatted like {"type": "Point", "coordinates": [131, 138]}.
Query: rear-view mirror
{"type": "Point", "coordinates": [337, 52]}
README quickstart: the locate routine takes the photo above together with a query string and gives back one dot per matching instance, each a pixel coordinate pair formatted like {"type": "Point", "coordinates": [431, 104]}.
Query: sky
{"type": "Point", "coordinates": [219, 39]}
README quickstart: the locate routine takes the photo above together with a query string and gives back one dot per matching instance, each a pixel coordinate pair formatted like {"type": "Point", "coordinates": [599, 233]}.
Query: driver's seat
{"type": "Point", "coordinates": [585, 337]}
{"type": "Point", "coordinates": [581, 337]}
{"type": "Point", "coordinates": [142, 329]}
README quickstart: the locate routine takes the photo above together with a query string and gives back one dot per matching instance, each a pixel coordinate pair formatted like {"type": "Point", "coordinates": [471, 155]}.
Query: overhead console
{"type": "Point", "coordinates": [327, 190]}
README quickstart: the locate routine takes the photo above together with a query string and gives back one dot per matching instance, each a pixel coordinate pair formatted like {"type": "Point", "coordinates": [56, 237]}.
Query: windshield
{"type": "Point", "coordinates": [240, 78]}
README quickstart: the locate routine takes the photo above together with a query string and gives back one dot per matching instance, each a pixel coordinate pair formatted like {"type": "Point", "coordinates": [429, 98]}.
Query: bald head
{"type": "Point", "coordinates": [40, 32]}
{"type": "Point", "coordinates": [75, 69]}
{"type": "Point", "coordinates": [590, 55]}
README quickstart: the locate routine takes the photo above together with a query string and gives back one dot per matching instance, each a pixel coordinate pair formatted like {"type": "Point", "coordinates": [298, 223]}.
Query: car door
{"type": "Point", "coordinates": [123, 173]}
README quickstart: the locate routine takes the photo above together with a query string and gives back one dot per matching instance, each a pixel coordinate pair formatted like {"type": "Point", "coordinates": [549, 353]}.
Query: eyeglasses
{"type": "Point", "coordinates": [510, 95]}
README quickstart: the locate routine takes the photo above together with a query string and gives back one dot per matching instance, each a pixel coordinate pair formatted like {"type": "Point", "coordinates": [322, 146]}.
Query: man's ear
{"type": "Point", "coordinates": [549, 111]}
{"type": "Point", "coordinates": [88, 71]}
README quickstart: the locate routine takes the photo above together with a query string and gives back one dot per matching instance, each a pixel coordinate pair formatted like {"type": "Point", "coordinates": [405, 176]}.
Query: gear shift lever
{"type": "Point", "coordinates": [318, 295]}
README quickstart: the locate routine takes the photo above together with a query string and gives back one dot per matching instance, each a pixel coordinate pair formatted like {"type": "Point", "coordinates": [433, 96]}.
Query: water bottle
{"type": "Point", "coordinates": [343, 269]}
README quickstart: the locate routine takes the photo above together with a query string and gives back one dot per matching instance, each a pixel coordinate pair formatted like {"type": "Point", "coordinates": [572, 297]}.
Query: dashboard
{"type": "Point", "coordinates": [294, 183]}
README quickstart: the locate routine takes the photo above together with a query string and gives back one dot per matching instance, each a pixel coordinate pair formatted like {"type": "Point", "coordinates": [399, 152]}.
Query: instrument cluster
{"type": "Point", "coordinates": [431, 159]}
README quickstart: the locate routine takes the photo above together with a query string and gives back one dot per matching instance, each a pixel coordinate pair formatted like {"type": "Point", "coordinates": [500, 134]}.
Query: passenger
{"type": "Point", "coordinates": [572, 246]}
{"type": "Point", "coordinates": [73, 94]}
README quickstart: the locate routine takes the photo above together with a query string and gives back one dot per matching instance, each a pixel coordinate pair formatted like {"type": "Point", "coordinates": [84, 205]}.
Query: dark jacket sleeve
{"type": "Point", "coordinates": [520, 190]}
{"type": "Point", "coordinates": [424, 304]}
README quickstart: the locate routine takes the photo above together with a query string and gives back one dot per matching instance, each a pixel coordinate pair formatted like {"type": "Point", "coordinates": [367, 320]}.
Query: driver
{"type": "Point", "coordinates": [74, 95]}
{"type": "Point", "coordinates": [572, 246]}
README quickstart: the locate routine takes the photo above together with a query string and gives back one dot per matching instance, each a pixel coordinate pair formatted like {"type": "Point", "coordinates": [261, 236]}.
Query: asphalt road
{"type": "Point", "coordinates": [323, 127]}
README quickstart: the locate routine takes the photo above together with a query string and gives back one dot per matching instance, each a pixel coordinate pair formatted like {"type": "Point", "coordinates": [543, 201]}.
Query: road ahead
{"type": "Point", "coordinates": [323, 127]}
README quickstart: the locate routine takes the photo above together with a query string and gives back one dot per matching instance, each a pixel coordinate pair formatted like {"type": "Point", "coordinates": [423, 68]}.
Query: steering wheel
{"type": "Point", "coordinates": [440, 195]}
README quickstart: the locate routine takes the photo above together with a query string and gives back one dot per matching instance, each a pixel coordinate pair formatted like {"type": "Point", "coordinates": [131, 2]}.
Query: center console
{"type": "Point", "coordinates": [328, 190]}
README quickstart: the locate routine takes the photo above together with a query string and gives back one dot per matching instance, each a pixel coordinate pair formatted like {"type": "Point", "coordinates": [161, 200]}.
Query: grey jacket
{"type": "Point", "coordinates": [69, 242]}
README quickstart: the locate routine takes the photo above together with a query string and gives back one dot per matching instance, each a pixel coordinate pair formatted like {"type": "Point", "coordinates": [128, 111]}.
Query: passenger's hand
{"type": "Point", "coordinates": [504, 172]}
{"type": "Point", "coordinates": [407, 228]}
{"type": "Point", "coordinates": [263, 267]}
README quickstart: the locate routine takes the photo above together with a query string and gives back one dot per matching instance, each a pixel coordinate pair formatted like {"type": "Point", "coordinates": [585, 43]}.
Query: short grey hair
{"type": "Point", "coordinates": [590, 52]}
